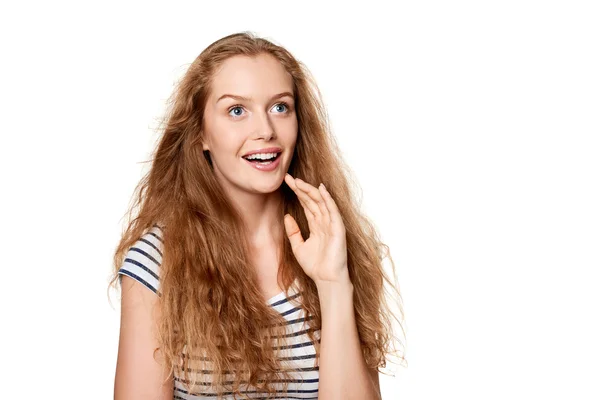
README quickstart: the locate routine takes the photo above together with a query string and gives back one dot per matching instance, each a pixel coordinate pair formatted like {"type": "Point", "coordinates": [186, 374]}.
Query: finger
{"type": "Point", "coordinates": [315, 195]}
{"type": "Point", "coordinates": [291, 182]}
{"type": "Point", "coordinates": [334, 212]}
{"type": "Point", "coordinates": [292, 231]}
{"type": "Point", "coordinates": [302, 197]}
{"type": "Point", "coordinates": [309, 215]}
{"type": "Point", "coordinates": [304, 187]}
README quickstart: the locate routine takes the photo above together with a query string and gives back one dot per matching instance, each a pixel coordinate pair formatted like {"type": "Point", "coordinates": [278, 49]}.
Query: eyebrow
{"type": "Point", "coordinates": [243, 98]}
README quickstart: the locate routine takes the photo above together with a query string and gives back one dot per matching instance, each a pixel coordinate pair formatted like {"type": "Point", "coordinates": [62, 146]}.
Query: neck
{"type": "Point", "coordinates": [262, 215]}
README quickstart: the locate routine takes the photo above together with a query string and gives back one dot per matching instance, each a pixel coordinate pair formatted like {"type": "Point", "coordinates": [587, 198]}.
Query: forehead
{"type": "Point", "coordinates": [256, 77]}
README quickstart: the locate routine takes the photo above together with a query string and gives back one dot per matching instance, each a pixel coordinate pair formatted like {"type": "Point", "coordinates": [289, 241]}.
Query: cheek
{"type": "Point", "coordinates": [292, 133]}
{"type": "Point", "coordinates": [231, 147]}
{"type": "Point", "coordinates": [288, 128]}
{"type": "Point", "coordinates": [227, 140]}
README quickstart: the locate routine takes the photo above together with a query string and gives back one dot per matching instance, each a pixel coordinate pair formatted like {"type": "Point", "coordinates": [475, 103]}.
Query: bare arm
{"type": "Point", "coordinates": [138, 375]}
{"type": "Point", "coordinates": [343, 372]}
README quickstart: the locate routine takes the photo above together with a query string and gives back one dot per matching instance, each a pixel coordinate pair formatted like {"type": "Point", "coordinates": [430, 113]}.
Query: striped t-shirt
{"type": "Point", "coordinates": [142, 263]}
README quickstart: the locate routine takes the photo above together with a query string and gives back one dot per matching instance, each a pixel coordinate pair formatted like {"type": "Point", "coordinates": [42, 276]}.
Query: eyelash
{"type": "Point", "coordinates": [240, 106]}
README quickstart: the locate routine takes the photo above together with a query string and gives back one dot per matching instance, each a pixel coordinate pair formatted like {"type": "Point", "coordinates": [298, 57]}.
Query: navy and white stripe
{"type": "Point", "coordinates": [142, 263]}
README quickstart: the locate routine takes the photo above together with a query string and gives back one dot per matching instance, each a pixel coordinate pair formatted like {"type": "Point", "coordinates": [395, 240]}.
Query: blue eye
{"type": "Point", "coordinates": [282, 104]}
{"type": "Point", "coordinates": [233, 108]}
{"type": "Point", "coordinates": [237, 106]}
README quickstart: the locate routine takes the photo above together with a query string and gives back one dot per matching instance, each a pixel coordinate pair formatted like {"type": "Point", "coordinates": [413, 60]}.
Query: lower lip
{"type": "Point", "coordinates": [265, 167]}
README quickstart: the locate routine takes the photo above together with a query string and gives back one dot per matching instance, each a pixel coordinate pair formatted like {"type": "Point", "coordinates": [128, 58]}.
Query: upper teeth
{"type": "Point", "coordinates": [262, 156]}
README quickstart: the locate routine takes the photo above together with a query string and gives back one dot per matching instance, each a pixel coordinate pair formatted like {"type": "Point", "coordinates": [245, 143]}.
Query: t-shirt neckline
{"type": "Point", "coordinates": [282, 295]}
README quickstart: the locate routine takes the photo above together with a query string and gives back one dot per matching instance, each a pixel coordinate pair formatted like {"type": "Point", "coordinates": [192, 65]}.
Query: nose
{"type": "Point", "coordinates": [265, 128]}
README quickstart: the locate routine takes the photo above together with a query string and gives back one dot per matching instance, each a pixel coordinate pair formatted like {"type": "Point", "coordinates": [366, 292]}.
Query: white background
{"type": "Point", "coordinates": [472, 127]}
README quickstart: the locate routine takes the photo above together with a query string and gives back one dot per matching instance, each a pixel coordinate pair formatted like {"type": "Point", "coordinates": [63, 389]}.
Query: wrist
{"type": "Point", "coordinates": [335, 296]}
{"type": "Point", "coordinates": [342, 282]}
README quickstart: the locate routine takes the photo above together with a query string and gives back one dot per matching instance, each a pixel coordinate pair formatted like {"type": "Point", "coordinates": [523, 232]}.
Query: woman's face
{"type": "Point", "coordinates": [265, 118]}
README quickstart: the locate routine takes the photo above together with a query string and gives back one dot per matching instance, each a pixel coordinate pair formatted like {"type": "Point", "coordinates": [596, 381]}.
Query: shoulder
{"type": "Point", "coordinates": [140, 372]}
{"type": "Point", "coordinates": [143, 259]}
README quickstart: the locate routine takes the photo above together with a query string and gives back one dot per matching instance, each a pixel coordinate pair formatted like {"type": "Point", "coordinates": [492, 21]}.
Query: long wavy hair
{"type": "Point", "coordinates": [212, 309]}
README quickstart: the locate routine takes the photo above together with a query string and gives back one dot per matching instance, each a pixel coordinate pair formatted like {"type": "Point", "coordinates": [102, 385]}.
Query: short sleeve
{"type": "Point", "coordinates": [142, 261]}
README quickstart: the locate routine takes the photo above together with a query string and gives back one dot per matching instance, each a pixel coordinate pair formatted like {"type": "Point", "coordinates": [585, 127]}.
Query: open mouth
{"type": "Point", "coordinates": [262, 161]}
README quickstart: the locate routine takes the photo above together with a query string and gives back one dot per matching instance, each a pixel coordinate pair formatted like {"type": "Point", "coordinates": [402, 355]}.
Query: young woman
{"type": "Point", "coordinates": [242, 276]}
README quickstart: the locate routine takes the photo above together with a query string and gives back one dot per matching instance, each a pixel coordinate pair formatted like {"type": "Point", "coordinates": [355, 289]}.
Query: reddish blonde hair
{"type": "Point", "coordinates": [210, 301]}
